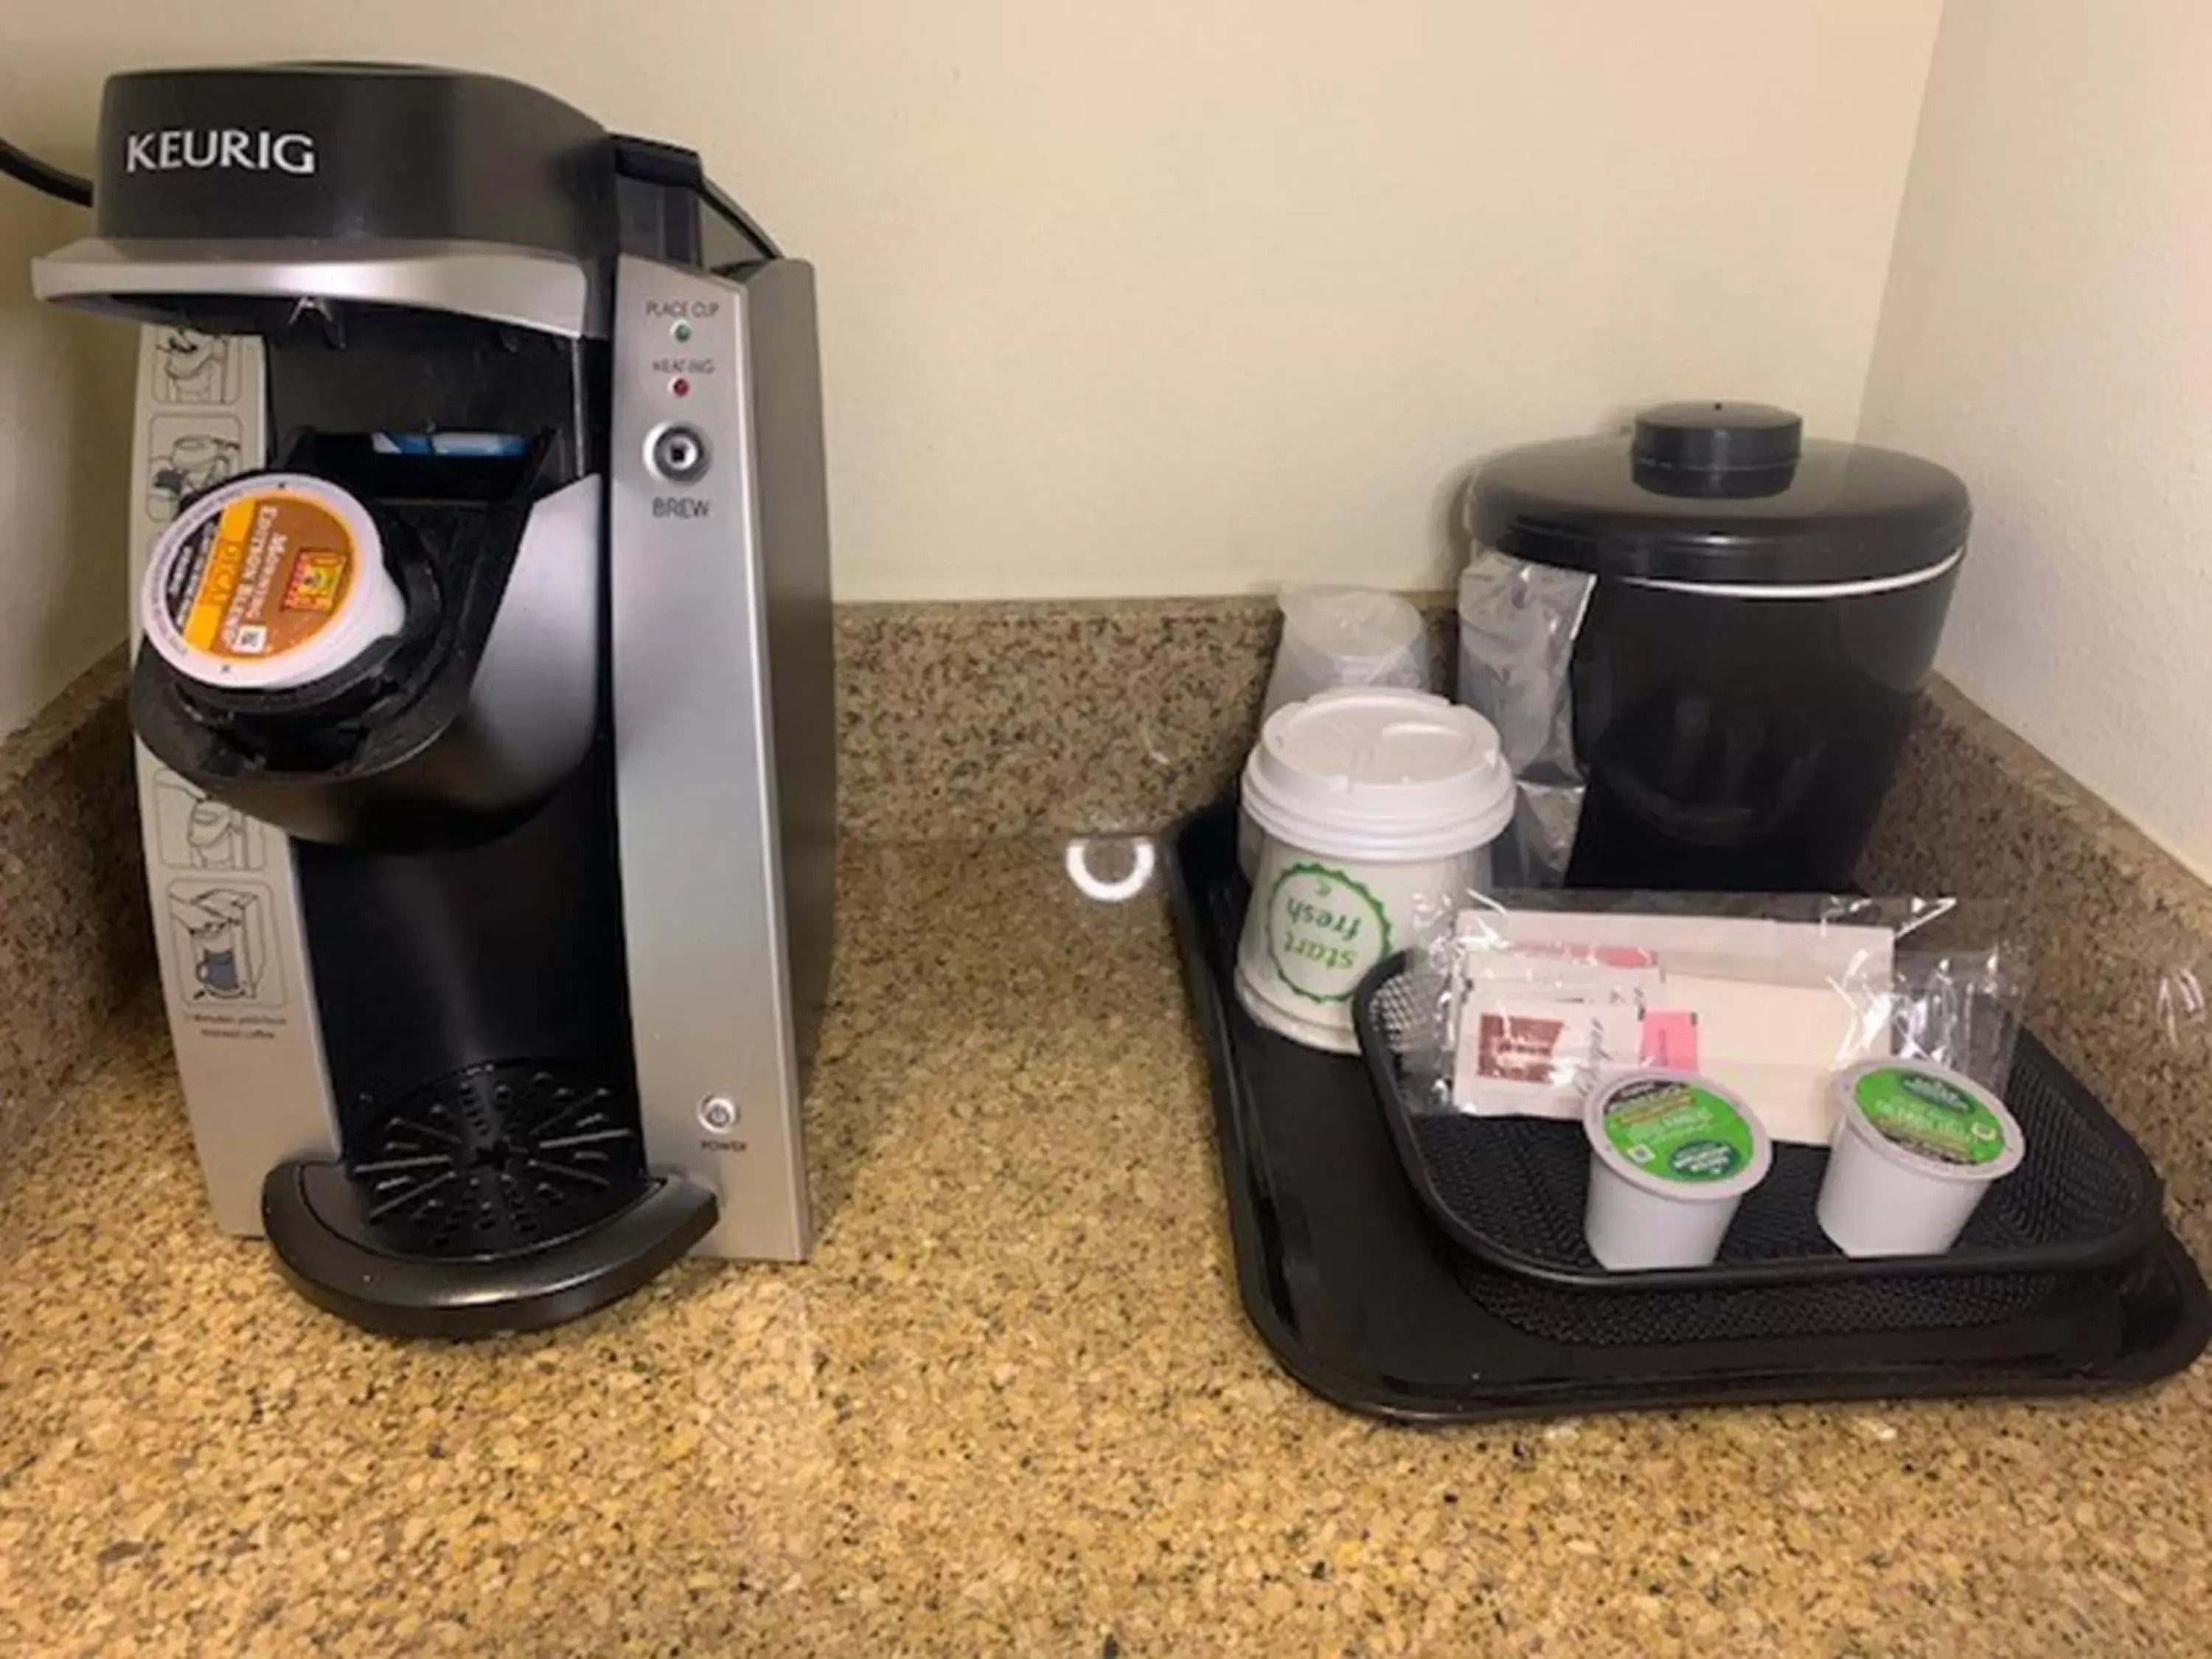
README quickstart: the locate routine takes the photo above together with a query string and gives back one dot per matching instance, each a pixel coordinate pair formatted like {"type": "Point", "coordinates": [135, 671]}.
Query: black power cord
{"type": "Point", "coordinates": [30, 170]}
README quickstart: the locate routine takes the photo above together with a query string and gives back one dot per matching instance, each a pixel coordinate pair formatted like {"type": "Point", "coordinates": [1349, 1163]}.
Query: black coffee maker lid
{"type": "Point", "coordinates": [1722, 493]}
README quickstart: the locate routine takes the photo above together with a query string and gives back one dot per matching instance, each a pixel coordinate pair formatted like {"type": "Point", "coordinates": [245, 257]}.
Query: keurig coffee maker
{"type": "Point", "coordinates": [482, 680]}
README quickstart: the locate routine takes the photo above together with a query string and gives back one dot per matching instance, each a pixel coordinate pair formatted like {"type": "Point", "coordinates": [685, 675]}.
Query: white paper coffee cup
{"type": "Point", "coordinates": [1377, 806]}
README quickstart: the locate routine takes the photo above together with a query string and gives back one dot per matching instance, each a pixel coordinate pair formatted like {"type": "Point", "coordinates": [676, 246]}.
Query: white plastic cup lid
{"type": "Point", "coordinates": [270, 582]}
{"type": "Point", "coordinates": [1345, 636]}
{"type": "Point", "coordinates": [1356, 625]}
{"type": "Point", "coordinates": [1930, 1119]}
{"type": "Point", "coordinates": [1677, 1134]}
{"type": "Point", "coordinates": [1298, 675]}
{"type": "Point", "coordinates": [1379, 772]}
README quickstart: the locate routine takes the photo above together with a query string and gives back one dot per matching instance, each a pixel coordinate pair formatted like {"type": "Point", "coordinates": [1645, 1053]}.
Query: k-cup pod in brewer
{"type": "Point", "coordinates": [1916, 1147]}
{"type": "Point", "coordinates": [1374, 804]}
{"type": "Point", "coordinates": [1672, 1155]}
{"type": "Point", "coordinates": [270, 582]}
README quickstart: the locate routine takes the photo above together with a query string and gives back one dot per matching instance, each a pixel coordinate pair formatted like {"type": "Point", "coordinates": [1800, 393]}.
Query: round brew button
{"type": "Point", "coordinates": [678, 453]}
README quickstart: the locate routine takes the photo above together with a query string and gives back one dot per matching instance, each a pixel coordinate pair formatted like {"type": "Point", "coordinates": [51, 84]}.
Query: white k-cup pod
{"type": "Point", "coordinates": [1672, 1155]}
{"type": "Point", "coordinates": [268, 582]}
{"type": "Point", "coordinates": [1916, 1147]}
{"type": "Point", "coordinates": [1376, 805]}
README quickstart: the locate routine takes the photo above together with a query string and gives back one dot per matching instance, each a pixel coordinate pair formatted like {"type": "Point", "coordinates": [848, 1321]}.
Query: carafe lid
{"type": "Point", "coordinates": [1718, 493]}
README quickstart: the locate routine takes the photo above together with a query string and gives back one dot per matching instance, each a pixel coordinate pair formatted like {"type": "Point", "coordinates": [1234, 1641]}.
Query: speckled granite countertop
{"type": "Point", "coordinates": [1012, 1407]}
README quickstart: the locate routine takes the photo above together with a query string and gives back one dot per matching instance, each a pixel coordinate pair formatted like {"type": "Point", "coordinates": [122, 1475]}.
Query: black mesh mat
{"type": "Point", "coordinates": [1512, 1190]}
{"type": "Point", "coordinates": [1850, 1307]}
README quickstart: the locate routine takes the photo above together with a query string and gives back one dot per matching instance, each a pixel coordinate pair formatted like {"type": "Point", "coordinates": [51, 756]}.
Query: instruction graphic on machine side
{"type": "Point", "coordinates": [192, 831]}
{"type": "Point", "coordinates": [192, 368]}
{"type": "Point", "coordinates": [223, 944]}
{"type": "Point", "coordinates": [186, 454]}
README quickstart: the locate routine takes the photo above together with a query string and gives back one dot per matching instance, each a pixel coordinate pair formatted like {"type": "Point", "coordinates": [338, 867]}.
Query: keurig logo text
{"type": "Point", "coordinates": [199, 149]}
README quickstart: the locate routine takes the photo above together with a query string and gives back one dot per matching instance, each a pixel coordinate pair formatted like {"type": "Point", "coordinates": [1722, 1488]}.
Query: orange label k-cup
{"type": "Point", "coordinates": [270, 582]}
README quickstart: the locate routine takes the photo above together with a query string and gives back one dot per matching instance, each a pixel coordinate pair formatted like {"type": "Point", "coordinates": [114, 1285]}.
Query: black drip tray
{"type": "Point", "coordinates": [506, 1197]}
{"type": "Point", "coordinates": [1366, 1299]}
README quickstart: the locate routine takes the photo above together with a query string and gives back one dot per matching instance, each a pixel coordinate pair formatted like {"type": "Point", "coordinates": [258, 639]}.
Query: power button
{"type": "Point", "coordinates": [678, 453]}
{"type": "Point", "coordinates": [718, 1114]}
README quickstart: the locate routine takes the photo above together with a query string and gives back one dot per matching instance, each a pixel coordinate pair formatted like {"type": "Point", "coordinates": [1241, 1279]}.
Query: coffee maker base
{"type": "Point", "coordinates": [305, 1208]}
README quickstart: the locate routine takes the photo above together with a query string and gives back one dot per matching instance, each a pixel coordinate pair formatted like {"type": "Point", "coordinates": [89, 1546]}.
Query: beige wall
{"type": "Point", "coordinates": [2049, 334]}
{"type": "Point", "coordinates": [1167, 296]}
{"type": "Point", "coordinates": [64, 403]}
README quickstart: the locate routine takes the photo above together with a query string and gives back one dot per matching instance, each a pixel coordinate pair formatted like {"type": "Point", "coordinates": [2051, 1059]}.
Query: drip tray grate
{"type": "Point", "coordinates": [495, 1160]}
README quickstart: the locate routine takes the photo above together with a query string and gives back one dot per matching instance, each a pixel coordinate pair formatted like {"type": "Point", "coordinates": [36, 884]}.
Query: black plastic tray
{"type": "Point", "coordinates": [1512, 1189]}
{"type": "Point", "coordinates": [1364, 1300]}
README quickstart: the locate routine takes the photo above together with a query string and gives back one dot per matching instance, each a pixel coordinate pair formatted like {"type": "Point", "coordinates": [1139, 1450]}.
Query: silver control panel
{"type": "Point", "coordinates": [704, 547]}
